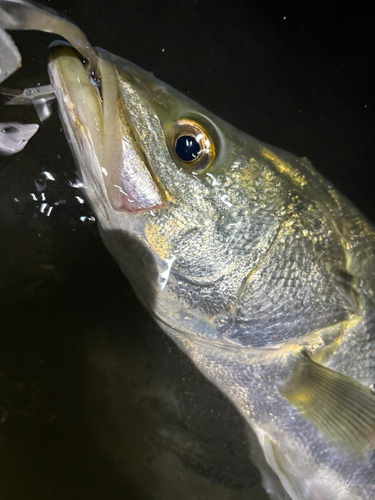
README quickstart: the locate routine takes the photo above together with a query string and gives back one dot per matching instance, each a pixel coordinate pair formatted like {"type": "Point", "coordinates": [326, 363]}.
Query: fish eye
{"type": "Point", "coordinates": [187, 148]}
{"type": "Point", "coordinates": [192, 145]}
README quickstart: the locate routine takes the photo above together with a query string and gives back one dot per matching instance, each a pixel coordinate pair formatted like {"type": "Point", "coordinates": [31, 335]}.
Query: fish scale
{"type": "Point", "coordinates": [278, 313]}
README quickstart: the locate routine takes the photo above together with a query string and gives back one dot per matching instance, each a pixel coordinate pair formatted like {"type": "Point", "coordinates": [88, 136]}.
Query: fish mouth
{"type": "Point", "coordinates": [100, 130]}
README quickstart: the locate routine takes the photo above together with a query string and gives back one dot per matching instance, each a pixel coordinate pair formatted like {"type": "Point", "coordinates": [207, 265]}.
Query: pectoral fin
{"type": "Point", "coordinates": [341, 408]}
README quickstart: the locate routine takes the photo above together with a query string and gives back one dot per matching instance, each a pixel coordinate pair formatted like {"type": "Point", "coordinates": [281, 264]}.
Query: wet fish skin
{"type": "Point", "coordinates": [256, 267]}
{"type": "Point", "coordinates": [247, 266]}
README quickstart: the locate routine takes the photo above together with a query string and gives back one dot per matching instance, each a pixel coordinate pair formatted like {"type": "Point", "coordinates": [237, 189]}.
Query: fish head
{"type": "Point", "coordinates": [196, 212]}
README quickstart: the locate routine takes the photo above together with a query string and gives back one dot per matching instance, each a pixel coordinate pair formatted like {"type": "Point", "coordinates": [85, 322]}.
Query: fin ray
{"type": "Point", "coordinates": [341, 408]}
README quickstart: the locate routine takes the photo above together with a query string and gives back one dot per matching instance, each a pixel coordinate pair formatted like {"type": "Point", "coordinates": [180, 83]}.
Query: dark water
{"type": "Point", "coordinates": [95, 401]}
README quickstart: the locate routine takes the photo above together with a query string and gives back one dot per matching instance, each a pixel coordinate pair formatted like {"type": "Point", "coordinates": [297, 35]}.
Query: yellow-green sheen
{"type": "Point", "coordinates": [250, 260]}
{"type": "Point", "coordinates": [257, 268]}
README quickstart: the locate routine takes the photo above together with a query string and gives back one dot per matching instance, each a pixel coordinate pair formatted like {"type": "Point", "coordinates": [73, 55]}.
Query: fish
{"type": "Point", "coordinates": [251, 261]}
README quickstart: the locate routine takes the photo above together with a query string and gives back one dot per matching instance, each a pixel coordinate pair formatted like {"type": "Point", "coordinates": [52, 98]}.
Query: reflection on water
{"type": "Point", "coordinates": [95, 401]}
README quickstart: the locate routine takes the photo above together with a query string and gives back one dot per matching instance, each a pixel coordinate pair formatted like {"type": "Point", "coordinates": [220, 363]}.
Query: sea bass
{"type": "Point", "coordinates": [259, 270]}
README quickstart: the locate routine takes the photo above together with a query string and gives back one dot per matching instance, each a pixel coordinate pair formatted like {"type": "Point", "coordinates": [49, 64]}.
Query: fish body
{"type": "Point", "coordinates": [252, 263]}
{"type": "Point", "coordinates": [259, 270]}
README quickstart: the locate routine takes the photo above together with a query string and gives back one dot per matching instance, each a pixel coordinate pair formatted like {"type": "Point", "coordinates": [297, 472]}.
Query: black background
{"type": "Point", "coordinates": [95, 402]}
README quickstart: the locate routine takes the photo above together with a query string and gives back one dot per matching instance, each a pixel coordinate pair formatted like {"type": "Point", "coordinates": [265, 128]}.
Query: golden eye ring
{"type": "Point", "coordinates": [193, 147]}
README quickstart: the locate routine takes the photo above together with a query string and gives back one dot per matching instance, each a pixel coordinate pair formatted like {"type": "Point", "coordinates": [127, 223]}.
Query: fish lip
{"type": "Point", "coordinates": [92, 69]}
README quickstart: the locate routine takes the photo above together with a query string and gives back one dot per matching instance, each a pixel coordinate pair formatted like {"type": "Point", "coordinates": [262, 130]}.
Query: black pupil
{"type": "Point", "coordinates": [187, 148]}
